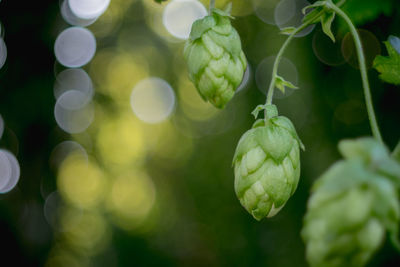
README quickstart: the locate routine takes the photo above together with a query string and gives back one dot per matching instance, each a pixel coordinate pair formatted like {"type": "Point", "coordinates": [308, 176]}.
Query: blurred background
{"type": "Point", "coordinates": [109, 157]}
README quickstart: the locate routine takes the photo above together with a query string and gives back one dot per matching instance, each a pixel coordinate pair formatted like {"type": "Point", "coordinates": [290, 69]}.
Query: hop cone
{"type": "Point", "coordinates": [352, 206]}
{"type": "Point", "coordinates": [267, 165]}
{"type": "Point", "coordinates": [215, 58]}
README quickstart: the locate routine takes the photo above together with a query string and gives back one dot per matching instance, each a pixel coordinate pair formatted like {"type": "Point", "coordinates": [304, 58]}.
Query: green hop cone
{"type": "Point", "coordinates": [267, 165]}
{"type": "Point", "coordinates": [215, 58]}
{"type": "Point", "coordinates": [352, 206]}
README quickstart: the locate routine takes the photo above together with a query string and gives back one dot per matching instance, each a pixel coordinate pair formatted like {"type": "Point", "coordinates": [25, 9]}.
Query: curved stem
{"type": "Point", "coordinates": [396, 152]}
{"type": "Point", "coordinates": [363, 70]}
{"type": "Point", "coordinates": [340, 3]}
{"type": "Point", "coordinates": [211, 6]}
{"type": "Point", "coordinates": [277, 61]}
{"type": "Point", "coordinates": [282, 50]}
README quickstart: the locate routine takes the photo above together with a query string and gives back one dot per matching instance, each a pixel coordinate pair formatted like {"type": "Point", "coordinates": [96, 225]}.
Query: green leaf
{"type": "Point", "coordinates": [271, 110]}
{"type": "Point", "coordinates": [389, 66]}
{"type": "Point", "coordinates": [316, 4]}
{"type": "Point", "coordinates": [326, 22]}
{"type": "Point", "coordinates": [257, 110]}
{"type": "Point", "coordinates": [200, 26]}
{"type": "Point", "coordinates": [288, 30]}
{"type": "Point", "coordinates": [221, 12]}
{"type": "Point", "coordinates": [281, 83]}
{"type": "Point", "coordinates": [228, 8]}
{"type": "Point", "coordinates": [314, 16]}
{"type": "Point", "coordinates": [160, 1]}
{"type": "Point", "coordinates": [321, 13]}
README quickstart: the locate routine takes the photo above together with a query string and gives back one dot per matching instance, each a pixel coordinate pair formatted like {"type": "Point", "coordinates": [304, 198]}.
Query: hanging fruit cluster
{"type": "Point", "coordinates": [355, 202]}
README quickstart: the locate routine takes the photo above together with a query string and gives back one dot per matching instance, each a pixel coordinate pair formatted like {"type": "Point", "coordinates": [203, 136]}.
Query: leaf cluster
{"type": "Point", "coordinates": [389, 66]}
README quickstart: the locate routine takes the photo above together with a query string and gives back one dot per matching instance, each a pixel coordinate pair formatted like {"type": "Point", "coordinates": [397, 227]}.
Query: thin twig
{"type": "Point", "coordinates": [363, 70]}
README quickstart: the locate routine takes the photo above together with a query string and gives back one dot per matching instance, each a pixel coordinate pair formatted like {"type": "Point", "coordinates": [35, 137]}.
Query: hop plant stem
{"type": "Point", "coordinates": [280, 53]}
{"type": "Point", "coordinates": [277, 61]}
{"type": "Point", "coordinates": [361, 61]}
{"type": "Point", "coordinates": [211, 6]}
{"type": "Point", "coordinates": [363, 70]}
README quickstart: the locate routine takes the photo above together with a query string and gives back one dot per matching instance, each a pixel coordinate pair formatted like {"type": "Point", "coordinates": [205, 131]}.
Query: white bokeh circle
{"type": "Point", "coordinates": [88, 9]}
{"type": "Point", "coordinates": [179, 16]}
{"type": "Point", "coordinates": [152, 100]}
{"type": "Point", "coordinates": [5, 169]}
{"type": "Point", "coordinates": [73, 79]}
{"type": "Point", "coordinates": [75, 47]}
{"type": "Point", "coordinates": [15, 172]}
{"type": "Point", "coordinates": [3, 52]}
{"type": "Point", "coordinates": [71, 18]}
{"type": "Point", "coordinates": [73, 112]}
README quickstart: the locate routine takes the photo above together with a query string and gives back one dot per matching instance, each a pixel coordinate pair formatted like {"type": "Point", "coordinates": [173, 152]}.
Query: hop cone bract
{"type": "Point", "coordinates": [215, 58]}
{"type": "Point", "coordinates": [267, 166]}
{"type": "Point", "coordinates": [352, 206]}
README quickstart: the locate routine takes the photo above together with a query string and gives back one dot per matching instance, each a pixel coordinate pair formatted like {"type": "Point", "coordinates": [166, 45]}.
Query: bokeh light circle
{"type": "Point", "coordinates": [288, 13]}
{"type": "Point", "coordinates": [71, 18]}
{"type": "Point", "coordinates": [286, 69]}
{"type": "Point", "coordinates": [371, 47]}
{"type": "Point", "coordinates": [264, 10]}
{"type": "Point", "coordinates": [179, 15]}
{"type": "Point", "coordinates": [65, 149]}
{"type": "Point", "coordinates": [87, 232]}
{"type": "Point", "coordinates": [131, 198]}
{"type": "Point", "coordinates": [73, 79]}
{"type": "Point", "coordinates": [70, 216]}
{"type": "Point", "coordinates": [5, 169]}
{"type": "Point", "coordinates": [88, 9]}
{"type": "Point", "coordinates": [3, 52]}
{"type": "Point", "coordinates": [75, 47]}
{"type": "Point", "coordinates": [284, 11]}
{"type": "Point", "coordinates": [15, 172]}
{"type": "Point", "coordinates": [51, 209]}
{"type": "Point", "coordinates": [153, 16]}
{"type": "Point", "coordinates": [246, 79]}
{"type": "Point", "coordinates": [325, 50]}
{"type": "Point", "coordinates": [81, 182]}
{"type": "Point", "coordinates": [73, 99]}
{"type": "Point", "coordinates": [72, 112]}
{"type": "Point", "coordinates": [121, 141]}
{"type": "Point", "coordinates": [152, 100]}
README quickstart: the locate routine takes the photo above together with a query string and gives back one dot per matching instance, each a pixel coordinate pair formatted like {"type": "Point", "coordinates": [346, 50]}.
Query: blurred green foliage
{"type": "Point", "coordinates": [389, 67]}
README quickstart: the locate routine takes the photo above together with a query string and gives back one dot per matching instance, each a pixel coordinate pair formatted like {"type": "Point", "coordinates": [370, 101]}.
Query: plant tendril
{"type": "Point", "coordinates": [363, 70]}
{"type": "Point", "coordinates": [211, 6]}
{"type": "Point", "coordinates": [277, 61]}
